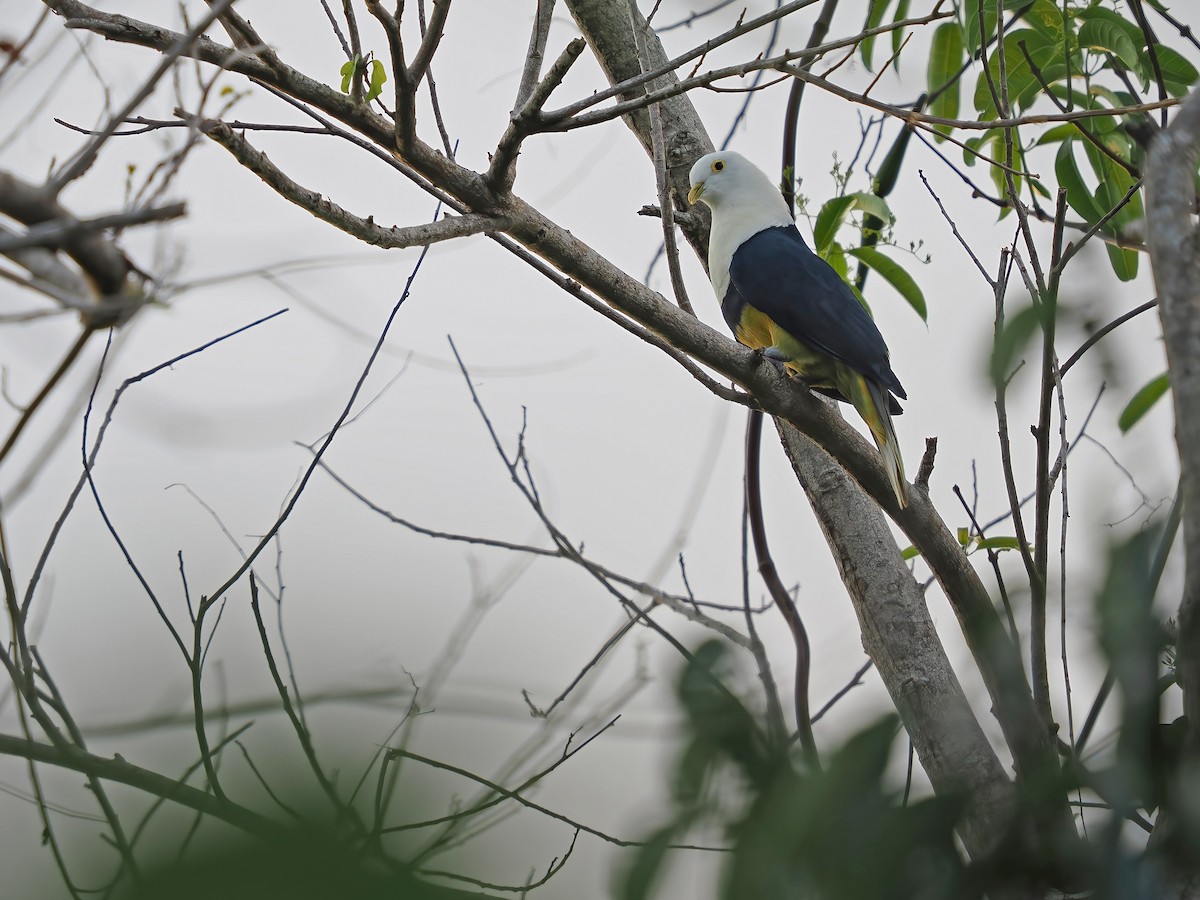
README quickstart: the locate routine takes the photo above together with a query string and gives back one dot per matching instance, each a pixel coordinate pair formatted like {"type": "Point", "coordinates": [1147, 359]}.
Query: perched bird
{"type": "Point", "coordinates": [781, 298]}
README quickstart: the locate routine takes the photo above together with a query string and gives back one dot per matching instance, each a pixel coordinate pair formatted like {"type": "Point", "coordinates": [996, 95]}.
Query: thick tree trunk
{"type": "Point", "coordinates": [1174, 242]}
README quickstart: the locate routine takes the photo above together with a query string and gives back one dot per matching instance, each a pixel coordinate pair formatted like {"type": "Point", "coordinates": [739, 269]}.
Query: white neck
{"type": "Point", "coordinates": [734, 221]}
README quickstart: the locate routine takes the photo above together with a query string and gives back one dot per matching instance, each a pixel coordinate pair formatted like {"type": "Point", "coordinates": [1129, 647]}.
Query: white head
{"type": "Point", "coordinates": [744, 201]}
{"type": "Point", "coordinates": [726, 181]}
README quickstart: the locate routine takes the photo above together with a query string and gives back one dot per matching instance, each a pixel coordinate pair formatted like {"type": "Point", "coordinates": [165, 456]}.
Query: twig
{"type": "Point", "coordinates": [28, 412]}
{"type": "Point", "coordinates": [365, 230]}
{"type": "Point", "coordinates": [770, 577]}
{"type": "Point", "coordinates": [429, 43]}
{"type": "Point", "coordinates": [507, 794]}
{"type": "Point", "coordinates": [659, 153]}
{"type": "Point", "coordinates": [954, 229]}
{"type": "Point", "coordinates": [535, 53]}
{"type": "Point", "coordinates": [1094, 338]}
{"type": "Point", "coordinates": [82, 161]}
{"type": "Point", "coordinates": [302, 732]}
{"type": "Point", "coordinates": [855, 681]}
{"type": "Point", "coordinates": [320, 452]}
{"type": "Point", "coordinates": [502, 172]}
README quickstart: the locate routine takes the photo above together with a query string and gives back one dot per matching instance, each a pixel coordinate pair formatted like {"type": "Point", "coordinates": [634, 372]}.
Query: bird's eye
{"type": "Point", "coordinates": [718, 165]}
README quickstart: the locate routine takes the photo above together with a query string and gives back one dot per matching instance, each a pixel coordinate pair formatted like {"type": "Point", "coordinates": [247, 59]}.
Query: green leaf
{"type": "Point", "coordinates": [973, 146]}
{"type": "Point", "coordinates": [1023, 86]}
{"type": "Point", "coordinates": [1178, 74]}
{"type": "Point", "coordinates": [875, 13]}
{"type": "Point", "coordinates": [1124, 262]}
{"type": "Point", "coordinates": [1047, 17]}
{"type": "Point", "coordinates": [378, 78]}
{"type": "Point", "coordinates": [1143, 401]}
{"type": "Point", "coordinates": [971, 30]}
{"type": "Point", "coordinates": [1105, 34]}
{"type": "Point", "coordinates": [945, 59]}
{"type": "Point", "coordinates": [1113, 186]}
{"type": "Point", "coordinates": [1079, 197]}
{"type": "Point", "coordinates": [829, 220]}
{"type": "Point", "coordinates": [1056, 134]}
{"type": "Point", "coordinates": [964, 536]}
{"type": "Point", "coordinates": [347, 71]}
{"type": "Point", "coordinates": [873, 205]}
{"type": "Point", "coordinates": [896, 275]}
{"type": "Point", "coordinates": [836, 257]}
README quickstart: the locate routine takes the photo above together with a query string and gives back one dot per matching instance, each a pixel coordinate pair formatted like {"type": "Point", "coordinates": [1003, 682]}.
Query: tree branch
{"type": "Point", "coordinates": [365, 229]}
{"type": "Point", "coordinates": [117, 770]}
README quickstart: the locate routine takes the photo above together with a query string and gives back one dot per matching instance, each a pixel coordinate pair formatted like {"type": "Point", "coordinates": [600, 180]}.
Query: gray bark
{"type": "Point", "coordinates": [1174, 243]}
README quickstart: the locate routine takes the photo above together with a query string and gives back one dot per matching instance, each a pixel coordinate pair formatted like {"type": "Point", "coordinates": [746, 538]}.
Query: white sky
{"type": "Point", "coordinates": [631, 455]}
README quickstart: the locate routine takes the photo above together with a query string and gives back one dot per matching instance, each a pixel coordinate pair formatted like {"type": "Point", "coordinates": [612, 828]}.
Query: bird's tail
{"type": "Point", "coordinates": [879, 420]}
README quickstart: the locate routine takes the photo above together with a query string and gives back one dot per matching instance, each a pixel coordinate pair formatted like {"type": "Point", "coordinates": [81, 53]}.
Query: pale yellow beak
{"type": "Point", "coordinates": [695, 193]}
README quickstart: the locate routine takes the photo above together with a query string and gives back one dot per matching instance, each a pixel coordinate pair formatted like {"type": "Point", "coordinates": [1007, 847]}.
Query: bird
{"type": "Point", "coordinates": [781, 299]}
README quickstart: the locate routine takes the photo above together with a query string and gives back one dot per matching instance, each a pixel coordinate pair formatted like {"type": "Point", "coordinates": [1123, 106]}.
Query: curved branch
{"type": "Point", "coordinates": [365, 229]}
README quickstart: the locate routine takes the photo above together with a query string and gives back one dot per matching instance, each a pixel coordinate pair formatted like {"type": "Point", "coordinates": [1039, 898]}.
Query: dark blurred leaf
{"type": "Point", "coordinates": [647, 864]}
{"type": "Point", "coordinates": [1132, 639]}
{"type": "Point", "coordinates": [840, 834]}
{"type": "Point", "coordinates": [300, 865]}
{"type": "Point", "coordinates": [1011, 342]}
{"type": "Point", "coordinates": [718, 719]}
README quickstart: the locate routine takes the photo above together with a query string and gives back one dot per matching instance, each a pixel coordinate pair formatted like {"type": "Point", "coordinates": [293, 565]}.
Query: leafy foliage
{"type": "Point", "coordinates": [839, 832]}
{"type": "Point", "coordinates": [1074, 57]}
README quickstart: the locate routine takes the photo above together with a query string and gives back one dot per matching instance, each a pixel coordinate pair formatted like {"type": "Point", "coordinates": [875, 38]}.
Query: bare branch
{"type": "Point", "coordinates": [535, 53]}
{"type": "Point", "coordinates": [429, 43]}
{"type": "Point", "coordinates": [365, 229]}
{"type": "Point", "coordinates": [182, 46]}
{"type": "Point", "coordinates": [526, 120]}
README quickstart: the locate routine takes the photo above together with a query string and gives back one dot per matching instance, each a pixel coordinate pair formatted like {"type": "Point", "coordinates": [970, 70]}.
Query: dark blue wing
{"type": "Point", "coordinates": [775, 272]}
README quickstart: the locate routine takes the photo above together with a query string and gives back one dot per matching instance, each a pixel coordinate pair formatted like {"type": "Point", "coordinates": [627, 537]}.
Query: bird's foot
{"type": "Point", "coordinates": [775, 356]}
